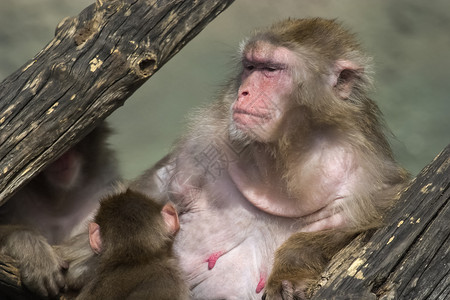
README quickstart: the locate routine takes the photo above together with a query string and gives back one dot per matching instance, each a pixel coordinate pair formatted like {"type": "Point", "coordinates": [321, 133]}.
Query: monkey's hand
{"type": "Point", "coordinates": [81, 259]}
{"type": "Point", "coordinates": [40, 267]}
{"type": "Point", "coordinates": [286, 282]}
{"type": "Point", "coordinates": [299, 262]}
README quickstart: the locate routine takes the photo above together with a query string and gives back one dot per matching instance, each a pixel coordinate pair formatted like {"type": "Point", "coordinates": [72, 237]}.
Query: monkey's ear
{"type": "Point", "coordinates": [94, 237]}
{"type": "Point", "coordinates": [344, 76]}
{"type": "Point", "coordinates": [170, 216]}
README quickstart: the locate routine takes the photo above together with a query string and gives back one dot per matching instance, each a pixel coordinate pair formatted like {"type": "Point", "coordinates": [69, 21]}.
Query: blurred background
{"type": "Point", "coordinates": [408, 39]}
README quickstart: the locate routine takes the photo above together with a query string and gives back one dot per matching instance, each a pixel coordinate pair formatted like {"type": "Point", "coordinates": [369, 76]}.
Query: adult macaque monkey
{"type": "Point", "coordinates": [294, 147]}
{"type": "Point", "coordinates": [133, 237]}
{"type": "Point", "coordinates": [53, 206]}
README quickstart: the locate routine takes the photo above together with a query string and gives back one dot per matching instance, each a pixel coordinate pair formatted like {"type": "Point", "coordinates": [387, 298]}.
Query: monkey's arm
{"type": "Point", "coordinates": [40, 266]}
{"type": "Point", "coordinates": [81, 260]}
{"type": "Point", "coordinates": [300, 260]}
{"type": "Point", "coordinates": [154, 182]}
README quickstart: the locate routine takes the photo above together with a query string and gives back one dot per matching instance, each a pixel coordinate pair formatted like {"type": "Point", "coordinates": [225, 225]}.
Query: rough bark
{"type": "Point", "coordinates": [95, 62]}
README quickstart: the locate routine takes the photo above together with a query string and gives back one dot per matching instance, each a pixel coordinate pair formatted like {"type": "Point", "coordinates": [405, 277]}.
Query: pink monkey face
{"type": "Point", "coordinates": [266, 85]}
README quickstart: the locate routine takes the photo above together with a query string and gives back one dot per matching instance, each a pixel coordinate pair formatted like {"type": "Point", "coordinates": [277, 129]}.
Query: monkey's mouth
{"type": "Point", "coordinates": [64, 171]}
{"type": "Point", "coordinates": [240, 113]}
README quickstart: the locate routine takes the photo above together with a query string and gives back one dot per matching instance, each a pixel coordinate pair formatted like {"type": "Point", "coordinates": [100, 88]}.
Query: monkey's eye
{"type": "Point", "coordinates": [249, 67]}
{"type": "Point", "coordinates": [270, 69]}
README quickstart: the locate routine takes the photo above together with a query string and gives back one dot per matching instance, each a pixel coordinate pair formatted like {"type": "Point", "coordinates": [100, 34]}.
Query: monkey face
{"type": "Point", "coordinates": [265, 87]}
{"type": "Point", "coordinates": [65, 171]}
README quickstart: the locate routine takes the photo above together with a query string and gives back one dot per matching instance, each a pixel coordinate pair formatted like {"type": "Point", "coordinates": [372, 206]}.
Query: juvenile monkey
{"type": "Point", "coordinates": [132, 236]}
{"type": "Point", "coordinates": [53, 206]}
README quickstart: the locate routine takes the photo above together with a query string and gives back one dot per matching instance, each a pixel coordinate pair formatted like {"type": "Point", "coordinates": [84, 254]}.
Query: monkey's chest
{"type": "Point", "coordinates": [226, 245]}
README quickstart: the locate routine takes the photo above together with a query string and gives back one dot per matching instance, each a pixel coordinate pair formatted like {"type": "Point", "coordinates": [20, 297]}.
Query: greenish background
{"type": "Point", "coordinates": [409, 40]}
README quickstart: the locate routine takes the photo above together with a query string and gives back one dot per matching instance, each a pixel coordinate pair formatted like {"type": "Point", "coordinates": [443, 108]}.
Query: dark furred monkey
{"type": "Point", "coordinates": [133, 236]}
{"type": "Point", "coordinates": [294, 146]}
{"type": "Point", "coordinates": [55, 205]}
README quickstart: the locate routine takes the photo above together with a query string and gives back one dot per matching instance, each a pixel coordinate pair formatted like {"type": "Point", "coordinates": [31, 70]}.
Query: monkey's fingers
{"type": "Point", "coordinates": [41, 285]}
{"type": "Point", "coordinates": [266, 296]}
{"type": "Point", "coordinates": [270, 294]}
{"type": "Point", "coordinates": [287, 290]}
{"type": "Point", "coordinates": [44, 276]}
{"type": "Point", "coordinates": [46, 285]}
{"type": "Point", "coordinates": [36, 286]}
{"type": "Point", "coordinates": [55, 284]}
{"type": "Point", "coordinates": [292, 291]}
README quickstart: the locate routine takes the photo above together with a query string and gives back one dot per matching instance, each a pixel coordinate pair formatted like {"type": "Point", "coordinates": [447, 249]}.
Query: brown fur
{"type": "Point", "coordinates": [50, 209]}
{"type": "Point", "coordinates": [136, 261]}
{"type": "Point", "coordinates": [301, 259]}
{"type": "Point", "coordinates": [355, 121]}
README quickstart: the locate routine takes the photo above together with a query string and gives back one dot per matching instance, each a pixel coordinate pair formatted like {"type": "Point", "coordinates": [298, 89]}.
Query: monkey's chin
{"type": "Point", "coordinates": [236, 134]}
{"type": "Point", "coordinates": [257, 128]}
{"type": "Point", "coordinates": [244, 135]}
{"type": "Point", "coordinates": [64, 172]}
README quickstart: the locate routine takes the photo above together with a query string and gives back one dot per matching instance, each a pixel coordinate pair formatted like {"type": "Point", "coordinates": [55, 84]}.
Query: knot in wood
{"type": "Point", "coordinates": [147, 65]}
{"type": "Point", "coordinates": [85, 32]}
{"type": "Point", "coordinates": [59, 68]}
{"type": "Point", "coordinates": [59, 71]}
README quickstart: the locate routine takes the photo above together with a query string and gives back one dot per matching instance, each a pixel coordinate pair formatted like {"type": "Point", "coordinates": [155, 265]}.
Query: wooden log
{"type": "Point", "coordinates": [95, 62]}
{"type": "Point", "coordinates": [409, 258]}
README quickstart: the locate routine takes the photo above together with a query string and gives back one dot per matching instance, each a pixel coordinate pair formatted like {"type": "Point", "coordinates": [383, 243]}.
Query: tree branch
{"type": "Point", "coordinates": [94, 63]}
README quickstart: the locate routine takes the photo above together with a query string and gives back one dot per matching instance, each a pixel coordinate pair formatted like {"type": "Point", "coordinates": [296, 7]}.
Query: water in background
{"type": "Point", "coordinates": [408, 39]}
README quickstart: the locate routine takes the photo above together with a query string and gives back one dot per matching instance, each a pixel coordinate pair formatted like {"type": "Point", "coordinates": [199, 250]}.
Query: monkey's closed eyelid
{"type": "Point", "coordinates": [249, 67]}
{"type": "Point", "coordinates": [274, 67]}
{"type": "Point", "coordinates": [270, 69]}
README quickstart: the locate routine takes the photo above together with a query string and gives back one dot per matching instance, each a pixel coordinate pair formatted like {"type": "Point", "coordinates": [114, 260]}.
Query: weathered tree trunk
{"type": "Point", "coordinates": [410, 258]}
{"type": "Point", "coordinates": [94, 63]}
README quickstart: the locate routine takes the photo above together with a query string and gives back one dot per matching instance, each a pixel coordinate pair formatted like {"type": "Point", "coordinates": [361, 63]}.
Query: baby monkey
{"type": "Point", "coordinates": [132, 237]}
